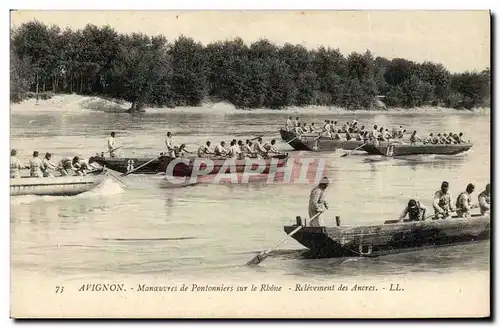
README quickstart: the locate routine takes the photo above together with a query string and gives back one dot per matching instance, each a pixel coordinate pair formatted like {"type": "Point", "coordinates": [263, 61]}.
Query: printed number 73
{"type": "Point", "coordinates": [59, 289]}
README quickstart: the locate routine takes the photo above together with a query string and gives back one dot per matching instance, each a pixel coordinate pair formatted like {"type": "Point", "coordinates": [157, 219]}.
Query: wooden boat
{"type": "Point", "coordinates": [126, 164]}
{"type": "Point", "coordinates": [54, 186]}
{"type": "Point", "coordinates": [184, 165]}
{"type": "Point", "coordinates": [392, 149]}
{"type": "Point", "coordinates": [311, 142]}
{"type": "Point", "coordinates": [240, 165]}
{"type": "Point", "coordinates": [385, 239]}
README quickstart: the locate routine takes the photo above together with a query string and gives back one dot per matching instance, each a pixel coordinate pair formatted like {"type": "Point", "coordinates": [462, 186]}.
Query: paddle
{"type": "Point", "coordinates": [397, 221]}
{"type": "Point", "coordinates": [454, 211]}
{"type": "Point", "coordinates": [140, 166]}
{"type": "Point", "coordinates": [347, 154]}
{"type": "Point", "coordinates": [116, 178]}
{"type": "Point", "coordinates": [427, 217]}
{"type": "Point", "coordinates": [108, 173]}
{"type": "Point", "coordinates": [263, 255]}
{"type": "Point", "coordinates": [288, 142]}
{"type": "Point", "coordinates": [112, 149]}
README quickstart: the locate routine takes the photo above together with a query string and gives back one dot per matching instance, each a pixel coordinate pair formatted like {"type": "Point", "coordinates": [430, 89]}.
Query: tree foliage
{"type": "Point", "coordinates": [154, 71]}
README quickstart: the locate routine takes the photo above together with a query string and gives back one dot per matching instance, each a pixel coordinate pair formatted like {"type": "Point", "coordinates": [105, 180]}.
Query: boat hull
{"type": "Point", "coordinates": [56, 186]}
{"type": "Point", "coordinates": [385, 239]}
{"type": "Point", "coordinates": [239, 166]}
{"type": "Point", "coordinates": [386, 149]}
{"type": "Point", "coordinates": [126, 164]}
{"type": "Point", "coordinates": [186, 166]}
{"type": "Point", "coordinates": [311, 142]}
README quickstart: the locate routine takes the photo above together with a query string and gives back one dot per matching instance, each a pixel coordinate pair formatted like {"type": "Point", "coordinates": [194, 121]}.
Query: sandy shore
{"type": "Point", "coordinates": [77, 103]}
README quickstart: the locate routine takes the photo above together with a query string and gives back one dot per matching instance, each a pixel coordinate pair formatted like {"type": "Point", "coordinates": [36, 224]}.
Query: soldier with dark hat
{"type": "Point", "coordinates": [415, 211]}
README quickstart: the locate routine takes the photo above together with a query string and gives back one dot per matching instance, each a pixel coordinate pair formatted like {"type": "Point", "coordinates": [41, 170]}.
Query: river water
{"type": "Point", "coordinates": [210, 230]}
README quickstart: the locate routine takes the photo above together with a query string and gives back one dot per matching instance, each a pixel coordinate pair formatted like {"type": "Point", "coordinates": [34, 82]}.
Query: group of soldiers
{"type": "Point", "coordinates": [415, 211]}
{"type": "Point", "coordinates": [240, 150]}
{"type": "Point", "coordinates": [44, 167]}
{"type": "Point", "coordinates": [237, 149]}
{"type": "Point", "coordinates": [352, 130]}
{"type": "Point", "coordinates": [443, 204]}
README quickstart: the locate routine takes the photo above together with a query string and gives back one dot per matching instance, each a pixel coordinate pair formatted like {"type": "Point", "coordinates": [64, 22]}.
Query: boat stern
{"type": "Point", "coordinates": [317, 240]}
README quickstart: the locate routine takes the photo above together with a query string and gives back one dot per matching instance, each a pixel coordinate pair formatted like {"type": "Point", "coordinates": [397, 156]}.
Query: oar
{"type": "Point", "coordinates": [140, 166]}
{"type": "Point", "coordinates": [347, 154]}
{"type": "Point", "coordinates": [263, 255]}
{"type": "Point", "coordinates": [428, 216]}
{"type": "Point", "coordinates": [116, 178]}
{"type": "Point", "coordinates": [397, 221]}
{"type": "Point", "coordinates": [455, 211]}
{"type": "Point", "coordinates": [108, 173]}
{"type": "Point", "coordinates": [288, 142]}
{"type": "Point", "coordinates": [112, 149]}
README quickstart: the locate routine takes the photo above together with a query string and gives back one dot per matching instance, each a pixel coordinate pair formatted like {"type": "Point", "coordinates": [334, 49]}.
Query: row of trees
{"type": "Point", "coordinates": [151, 71]}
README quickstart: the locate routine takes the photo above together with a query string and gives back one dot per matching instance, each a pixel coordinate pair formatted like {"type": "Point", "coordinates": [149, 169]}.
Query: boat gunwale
{"type": "Point", "coordinates": [474, 217]}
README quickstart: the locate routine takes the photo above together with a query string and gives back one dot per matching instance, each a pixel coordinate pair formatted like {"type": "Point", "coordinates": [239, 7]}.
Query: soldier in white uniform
{"type": "Point", "coordinates": [15, 165]}
{"type": "Point", "coordinates": [258, 149]}
{"type": "Point", "coordinates": [296, 122]}
{"type": "Point", "coordinates": [249, 151]}
{"type": "Point", "coordinates": [271, 147]}
{"type": "Point", "coordinates": [170, 145]}
{"type": "Point", "coordinates": [36, 166]}
{"type": "Point", "coordinates": [204, 150]}
{"type": "Point", "coordinates": [442, 202]}
{"type": "Point", "coordinates": [47, 166]}
{"type": "Point", "coordinates": [234, 150]}
{"type": "Point", "coordinates": [289, 126]}
{"type": "Point", "coordinates": [317, 202]}
{"type": "Point", "coordinates": [66, 166]}
{"type": "Point", "coordinates": [220, 149]}
{"type": "Point", "coordinates": [463, 203]}
{"type": "Point", "coordinates": [111, 145]}
{"type": "Point", "coordinates": [484, 199]}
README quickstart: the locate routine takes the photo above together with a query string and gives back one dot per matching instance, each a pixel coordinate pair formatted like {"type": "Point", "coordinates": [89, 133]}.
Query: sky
{"type": "Point", "coordinates": [460, 40]}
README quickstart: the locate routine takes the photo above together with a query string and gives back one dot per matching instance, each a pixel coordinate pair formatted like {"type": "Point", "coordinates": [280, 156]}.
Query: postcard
{"type": "Point", "coordinates": [250, 164]}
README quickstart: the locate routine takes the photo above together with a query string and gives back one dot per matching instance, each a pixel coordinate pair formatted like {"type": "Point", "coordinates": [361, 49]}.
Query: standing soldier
{"type": "Point", "coordinates": [111, 145]}
{"type": "Point", "coordinates": [289, 124]}
{"type": "Point", "coordinates": [317, 202]}
{"type": "Point", "coordinates": [296, 122]}
{"type": "Point", "coordinates": [170, 145]}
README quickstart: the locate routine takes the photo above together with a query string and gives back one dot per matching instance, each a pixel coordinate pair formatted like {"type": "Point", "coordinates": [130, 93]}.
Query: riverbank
{"type": "Point", "coordinates": [79, 103]}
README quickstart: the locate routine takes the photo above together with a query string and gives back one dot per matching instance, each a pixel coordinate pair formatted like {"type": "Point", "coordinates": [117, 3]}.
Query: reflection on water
{"type": "Point", "coordinates": [149, 229]}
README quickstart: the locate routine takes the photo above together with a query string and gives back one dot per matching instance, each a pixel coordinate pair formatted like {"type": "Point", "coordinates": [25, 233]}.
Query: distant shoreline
{"type": "Point", "coordinates": [152, 71]}
{"type": "Point", "coordinates": [79, 103]}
